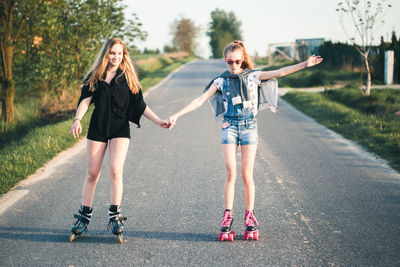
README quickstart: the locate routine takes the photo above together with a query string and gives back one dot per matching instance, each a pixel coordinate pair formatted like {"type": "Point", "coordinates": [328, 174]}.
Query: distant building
{"type": "Point", "coordinates": [308, 47]}
{"type": "Point", "coordinates": [300, 49]}
{"type": "Point", "coordinates": [289, 50]}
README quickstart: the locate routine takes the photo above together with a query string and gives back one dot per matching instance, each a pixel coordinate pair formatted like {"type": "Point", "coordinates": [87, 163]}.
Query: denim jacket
{"type": "Point", "coordinates": [266, 95]}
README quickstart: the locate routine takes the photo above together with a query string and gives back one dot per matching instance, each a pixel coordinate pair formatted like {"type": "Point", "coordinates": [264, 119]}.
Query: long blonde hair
{"type": "Point", "coordinates": [99, 67]}
{"type": "Point", "coordinates": [239, 45]}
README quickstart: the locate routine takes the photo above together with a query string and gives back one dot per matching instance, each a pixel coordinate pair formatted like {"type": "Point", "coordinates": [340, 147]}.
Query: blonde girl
{"type": "Point", "coordinates": [112, 85]}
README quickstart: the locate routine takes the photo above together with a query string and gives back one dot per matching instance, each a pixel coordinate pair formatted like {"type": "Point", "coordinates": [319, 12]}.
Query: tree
{"type": "Point", "coordinates": [74, 31]}
{"type": "Point", "coordinates": [132, 31]}
{"type": "Point", "coordinates": [13, 17]}
{"type": "Point", "coordinates": [169, 49]}
{"type": "Point", "coordinates": [395, 43]}
{"type": "Point", "coordinates": [223, 29]}
{"type": "Point", "coordinates": [184, 33]}
{"type": "Point", "coordinates": [366, 18]}
{"type": "Point", "coordinates": [53, 43]}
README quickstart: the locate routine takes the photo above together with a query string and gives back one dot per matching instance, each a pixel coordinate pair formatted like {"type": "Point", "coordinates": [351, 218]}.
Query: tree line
{"type": "Point", "coordinates": [47, 46]}
{"type": "Point", "coordinates": [344, 56]}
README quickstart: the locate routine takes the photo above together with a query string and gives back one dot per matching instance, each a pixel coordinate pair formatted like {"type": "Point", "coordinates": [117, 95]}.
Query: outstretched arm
{"type": "Point", "coordinates": [311, 61]}
{"type": "Point", "coordinates": [194, 104]}
{"type": "Point", "coordinates": [148, 113]}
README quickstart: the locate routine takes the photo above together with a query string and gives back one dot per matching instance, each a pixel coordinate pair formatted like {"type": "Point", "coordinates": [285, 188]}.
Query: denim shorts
{"type": "Point", "coordinates": [239, 132]}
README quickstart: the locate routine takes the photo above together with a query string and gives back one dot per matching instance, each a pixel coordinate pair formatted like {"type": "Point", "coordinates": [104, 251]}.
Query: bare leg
{"type": "Point", "coordinates": [229, 151]}
{"type": "Point", "coordinates": [118, 150]}
{"type": "Point", "coordinates": [248, 158]}
{"type": "Point", "coordinates": [95, 154]}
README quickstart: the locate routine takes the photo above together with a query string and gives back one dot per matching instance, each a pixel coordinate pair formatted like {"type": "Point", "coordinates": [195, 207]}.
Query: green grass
{"type": "Point", "coordinates": [144, 56]}
{"type": "Point", "coordinates": [370, 121]}
{"type": "Point", "coordinates": [23, 157]}
{"type": "Point", "coordinates": [32, 142]}
{"type": "Point", "coordinates": [379, 102]}
{"type": "Point", "coordinates": [26, 114]}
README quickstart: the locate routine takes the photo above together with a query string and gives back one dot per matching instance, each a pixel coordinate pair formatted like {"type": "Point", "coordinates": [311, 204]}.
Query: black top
{"type": "Point", "coordinates": [115, 98]}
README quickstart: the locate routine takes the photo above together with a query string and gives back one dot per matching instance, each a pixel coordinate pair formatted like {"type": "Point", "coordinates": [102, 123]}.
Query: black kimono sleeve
{"type": "Point", "coordinates": [85, 93]}
{"type": "Point", "coordinates": [136, 107]}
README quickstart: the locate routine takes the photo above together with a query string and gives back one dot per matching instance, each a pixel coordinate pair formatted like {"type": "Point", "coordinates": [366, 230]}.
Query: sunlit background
{"type": "Point", "coordinates": [263, 21]}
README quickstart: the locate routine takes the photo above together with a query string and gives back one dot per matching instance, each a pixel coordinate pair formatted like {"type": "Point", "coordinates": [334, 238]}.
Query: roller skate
{"type": "Point", "coordinates": [116, 222]}
{"type": "Point", "coordinates": [226, 233]}
{"type": "Point", "coordinates": [83, 219]}
{"type": "Point", "coordinates": [250, 223]}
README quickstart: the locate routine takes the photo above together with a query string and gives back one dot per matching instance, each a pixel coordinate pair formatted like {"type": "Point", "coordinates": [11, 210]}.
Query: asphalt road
{"type": "Point", "coordinates": [320, 200]}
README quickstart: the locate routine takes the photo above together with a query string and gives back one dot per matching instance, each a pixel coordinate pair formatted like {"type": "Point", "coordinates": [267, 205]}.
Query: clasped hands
{"type": "Point", "coordinates": [168, 124]}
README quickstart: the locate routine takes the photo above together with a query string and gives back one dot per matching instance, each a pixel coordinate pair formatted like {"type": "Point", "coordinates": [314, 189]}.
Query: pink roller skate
{"type": "Point", "coordinates": [226, 233]}
{"type": "Point", "coordinates": [250, 223]}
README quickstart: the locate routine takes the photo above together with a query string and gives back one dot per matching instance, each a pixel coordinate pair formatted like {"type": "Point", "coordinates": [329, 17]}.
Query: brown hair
{"type": "Point", "coordinates": [99, 66]}
{"type": "Point", "coordinates": [239, 45]}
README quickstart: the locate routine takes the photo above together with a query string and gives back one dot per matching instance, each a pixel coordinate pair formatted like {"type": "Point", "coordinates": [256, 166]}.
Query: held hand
{"type": "Point", "coordinates": [164, 124]}
{"type": "Point", "coordinates": [313, 60]}
{"type": "Point", "coordinates": [76, 128]}
{"type": "Point", "coordinates": [172, 121]}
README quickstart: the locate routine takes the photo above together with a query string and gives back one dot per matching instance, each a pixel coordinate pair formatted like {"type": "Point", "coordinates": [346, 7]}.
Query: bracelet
{"type": "Point", "coordinates": [76, 119]}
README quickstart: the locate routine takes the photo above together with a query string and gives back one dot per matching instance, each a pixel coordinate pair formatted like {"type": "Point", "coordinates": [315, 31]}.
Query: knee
{"type": "Point", "coordinates": [93, 176]}
{"type": "Point", "coordinates": [230, 175]}
{"type": "Point", "coordinates": [115, 174]}
{"type": "Point", "coordinates": [247, 176]}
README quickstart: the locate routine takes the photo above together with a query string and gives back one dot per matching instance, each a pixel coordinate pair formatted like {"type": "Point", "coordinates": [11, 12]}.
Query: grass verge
{"type": "Point", "coordinates": [348, 113]}
{"type": "Point", "coordinates": [21, 157]}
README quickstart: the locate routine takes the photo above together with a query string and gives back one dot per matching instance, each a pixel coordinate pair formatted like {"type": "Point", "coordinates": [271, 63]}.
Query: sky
{"type": "Point", "coordinates": [263, 21]}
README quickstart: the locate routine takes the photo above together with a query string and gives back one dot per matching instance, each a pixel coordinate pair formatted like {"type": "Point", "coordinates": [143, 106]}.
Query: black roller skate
{"type": "Point", "coordinates": [116, 222]}
{"type": "Point", "coordinates": [83, 219]}
{"type": "Point", "coordinates": [250, 223]}
{"type": "Point", "coordinates": [226, 233]}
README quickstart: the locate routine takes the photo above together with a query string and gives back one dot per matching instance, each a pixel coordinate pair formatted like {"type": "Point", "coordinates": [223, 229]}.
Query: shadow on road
{"type": "Point", "coordinates": [46, 235]}
{"type": "Point", "coordinates": [96, 236]}
{"type": "Point", "coordinates": [194, 237]}
{"type": "Point", "coordinates": [34, 234]}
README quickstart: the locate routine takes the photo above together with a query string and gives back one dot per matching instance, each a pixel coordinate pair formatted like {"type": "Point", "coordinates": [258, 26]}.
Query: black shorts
{"type": "Point", "coordinates": [118, 128]}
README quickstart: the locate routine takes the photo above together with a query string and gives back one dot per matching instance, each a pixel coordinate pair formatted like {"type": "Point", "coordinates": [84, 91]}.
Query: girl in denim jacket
{"type": "Point", "coordinates": [238, 87]}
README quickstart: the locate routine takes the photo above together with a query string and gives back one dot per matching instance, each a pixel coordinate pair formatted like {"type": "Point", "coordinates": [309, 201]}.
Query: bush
{"type": "Point", "coordinates": [316, 79]}
{"type": "Point", "coordinates": [60, 103]}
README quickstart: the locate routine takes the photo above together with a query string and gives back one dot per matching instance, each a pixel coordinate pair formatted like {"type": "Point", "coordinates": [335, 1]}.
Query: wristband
{"type": "Point", "coordinates": [76, 119]}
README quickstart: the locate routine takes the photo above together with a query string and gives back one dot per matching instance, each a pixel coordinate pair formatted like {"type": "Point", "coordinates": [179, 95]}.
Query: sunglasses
{"type": "Point", "coordinates": [237, 62]}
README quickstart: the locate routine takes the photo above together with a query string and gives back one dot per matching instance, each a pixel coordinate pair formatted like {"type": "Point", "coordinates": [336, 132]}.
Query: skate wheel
{"type": "Point", "coordinates": [221, 237]}
{"type": "Point", "coordinates": [250, 235]}
{"type": "Point", "coordinates": [245, 236]}
{"type": "Point", "coordinates": [72, 237]}
{"type": "Point", "coordinates": [231, 237]}
{"type": "Point", "coordinates": [256, 235]}
{"type": "Point", "coordinates": [120, 239]}
{"type": "Point", "coordinates": [224, 236]}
